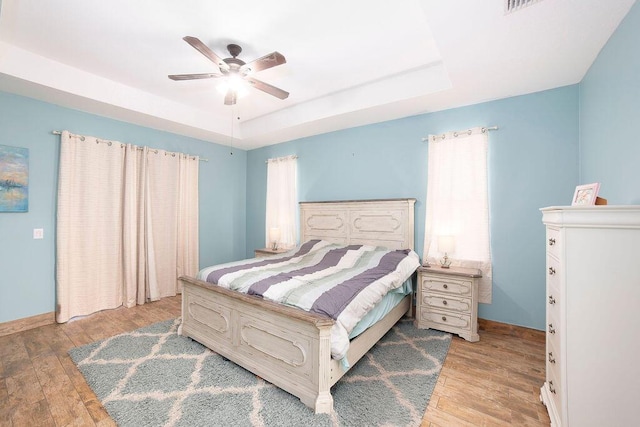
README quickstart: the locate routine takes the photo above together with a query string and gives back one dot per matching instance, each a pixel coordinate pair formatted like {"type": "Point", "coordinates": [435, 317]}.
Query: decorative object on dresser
{"type": "Point", "coordinates": [268, 252]}
{"type": "Point", "coordinates": [585, 194]}
{"type": "Point", "coordinates": [592, 316]}
{"type": "Point", "coordinates": [448, 300]}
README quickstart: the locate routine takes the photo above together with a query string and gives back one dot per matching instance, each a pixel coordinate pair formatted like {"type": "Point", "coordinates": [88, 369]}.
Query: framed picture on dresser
{"type": "Point", "coordinates": [585, 194]}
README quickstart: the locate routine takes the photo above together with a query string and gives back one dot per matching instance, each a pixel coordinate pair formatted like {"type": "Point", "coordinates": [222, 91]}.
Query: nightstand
{"type": "Point", "coordinates": [447, 300]}
{"type": "Point", "coordinates": [259, 253]}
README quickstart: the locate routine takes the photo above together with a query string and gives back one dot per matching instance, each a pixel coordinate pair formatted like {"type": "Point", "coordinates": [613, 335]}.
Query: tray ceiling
{"type": "Point", "coordinates": [349, 63]}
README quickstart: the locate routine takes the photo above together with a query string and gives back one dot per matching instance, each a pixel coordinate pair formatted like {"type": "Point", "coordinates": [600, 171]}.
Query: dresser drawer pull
{"type": "Point", "coordinates": [551, 358]}
{"type": "Point", "coordinates": [552, 241]}
{"type": "Point", "coordinates": [444, 318]}
{"type": "Point", "coordinates": [551, 389]}
{"type": "Point", "coordinates": [552, 271]}
{"type": "Point", "coordinates": [444, 302]}
{"type": "Point", "coordinates": [552, 300]}
{"type": "Point", "coordinates": [445, 286]}
{"type": "Point", "coordinates": [551, 329]}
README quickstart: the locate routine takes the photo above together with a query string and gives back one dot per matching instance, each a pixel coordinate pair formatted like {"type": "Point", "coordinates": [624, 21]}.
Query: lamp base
{"type": "Point", "coordinates": [274, 246]}
{"type": "Point", "coordinates": [445, 262]}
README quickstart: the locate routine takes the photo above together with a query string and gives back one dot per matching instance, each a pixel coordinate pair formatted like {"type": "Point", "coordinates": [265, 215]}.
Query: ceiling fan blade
{"type": "Point", "coordinates": [204, 49]}
{"type": "Point", "coordinates": [231, 97]}
{"type": "Point", "coordinates": [265, 87]}
{"type": "Point", "coordinates": [194, 76]}
{"type": "Point", "coordinates": [267, 61]}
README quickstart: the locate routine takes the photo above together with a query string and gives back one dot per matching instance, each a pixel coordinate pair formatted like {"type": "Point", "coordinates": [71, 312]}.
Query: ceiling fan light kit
{"type": "Point", "coordinates": [235, 72]}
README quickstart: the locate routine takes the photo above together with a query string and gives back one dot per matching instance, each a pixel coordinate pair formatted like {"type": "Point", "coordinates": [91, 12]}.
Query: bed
{"type": "Point", "coordinates": [287, 346]}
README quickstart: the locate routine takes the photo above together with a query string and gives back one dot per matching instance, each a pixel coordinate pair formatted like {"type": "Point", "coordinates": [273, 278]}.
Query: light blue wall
{"type": "Point", "coordinates": [610, 116]}
{"type": "Point", "coordinates": [27, 266]}
{"type": "Point", "coordinates": [532, 163]}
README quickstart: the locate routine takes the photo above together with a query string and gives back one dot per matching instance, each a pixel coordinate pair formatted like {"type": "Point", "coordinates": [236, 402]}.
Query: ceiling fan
{"type": "Point", "coordinates": [236, 70]}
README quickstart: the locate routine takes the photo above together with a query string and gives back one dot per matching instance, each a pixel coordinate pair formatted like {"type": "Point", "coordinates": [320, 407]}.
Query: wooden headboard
{"type": "Point", "coordinates": [388, 223]}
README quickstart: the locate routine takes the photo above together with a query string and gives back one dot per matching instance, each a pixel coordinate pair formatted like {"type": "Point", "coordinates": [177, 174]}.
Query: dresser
{"type": "Point", "coordinates": [592, 315]}
{"type": "Point", "coordinates": [447, 300]}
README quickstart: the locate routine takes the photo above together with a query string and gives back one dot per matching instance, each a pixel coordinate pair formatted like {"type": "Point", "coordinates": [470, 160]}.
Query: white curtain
{"type": "Point", "coordinates": [282, 200]}
{"type": "Point", "coordinates": [458, 203]}
{"type": "Point", "coordinates": [127, 224]}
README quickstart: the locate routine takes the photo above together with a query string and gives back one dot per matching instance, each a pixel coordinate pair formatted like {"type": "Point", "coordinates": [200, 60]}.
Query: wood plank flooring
{"type": "Point", "coordinates": [493, 382]}
{"type": "Point", "coordinates": [490, 383]}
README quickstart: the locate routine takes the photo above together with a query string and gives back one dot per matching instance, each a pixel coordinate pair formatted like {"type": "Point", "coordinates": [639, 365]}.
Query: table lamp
{"type": "Point", "coordinates": [274, 237]}
{"type": "Point", "coordinates": [446, 244]}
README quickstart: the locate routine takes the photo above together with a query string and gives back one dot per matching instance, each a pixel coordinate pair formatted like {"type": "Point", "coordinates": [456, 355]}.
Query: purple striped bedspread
{"type": "Point", "coordinates": [341, 282]}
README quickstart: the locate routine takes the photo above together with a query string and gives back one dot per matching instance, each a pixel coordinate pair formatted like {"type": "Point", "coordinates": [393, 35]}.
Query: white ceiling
{"type": "Point", "coordinates": [349, 63]}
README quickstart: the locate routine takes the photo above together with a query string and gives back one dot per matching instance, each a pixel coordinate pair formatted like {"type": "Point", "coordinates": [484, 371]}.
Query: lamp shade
{"type": "Point", "coordinates": [274, 234]}
{"type": "Point", "coordinates": [446, 244]}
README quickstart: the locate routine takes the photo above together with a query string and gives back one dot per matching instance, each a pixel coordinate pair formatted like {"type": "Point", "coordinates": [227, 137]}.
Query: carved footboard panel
{"type": "Point", "coordinates": [286, 346]}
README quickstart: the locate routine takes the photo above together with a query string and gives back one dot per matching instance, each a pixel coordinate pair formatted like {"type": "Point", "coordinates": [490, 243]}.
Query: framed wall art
{"type": "Point", "coordinates": [14, 179]}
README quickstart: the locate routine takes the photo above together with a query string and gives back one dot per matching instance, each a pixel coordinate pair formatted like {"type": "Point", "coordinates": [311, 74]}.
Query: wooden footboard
{"type": "Point", "coordinates": [286, 346]}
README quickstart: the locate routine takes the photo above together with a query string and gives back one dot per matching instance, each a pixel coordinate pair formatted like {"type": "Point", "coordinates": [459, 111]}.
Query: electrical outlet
{"type": "Point", "coordinates": [38, 233]}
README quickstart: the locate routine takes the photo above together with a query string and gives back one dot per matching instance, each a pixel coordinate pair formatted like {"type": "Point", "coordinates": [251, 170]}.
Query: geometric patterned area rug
{"type": "Point", "coordinates": [154, 377]}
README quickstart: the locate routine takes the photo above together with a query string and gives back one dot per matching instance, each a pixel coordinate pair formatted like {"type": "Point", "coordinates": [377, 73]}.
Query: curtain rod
{"type": "Point", "coordinates": [59, 132]}
{"type": "Point", "coordinates": [279, 159]}
{"type": "Point", "coordinates": [467, 131]}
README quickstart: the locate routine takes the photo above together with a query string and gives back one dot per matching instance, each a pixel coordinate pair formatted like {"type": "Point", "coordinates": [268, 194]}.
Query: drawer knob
{"type": "Point", "coordinates": [551, 329]}
{"type": "Point", "coordinates": [552, 271]}
{"type": "Point", "coordinates": [551, 358]}
{"type": "Point", "coordinates": [551, 389]}
{"type": "Point", "coordinates": [444, 302]}
{"type": "Point", "coordinates": [444, 318]}
{"type": "Point", "coordinates": [552, 241]}
{"type": "Point", "coordinates": [445, 286]}
{"type": "Point", "coordinates": [552, 300]}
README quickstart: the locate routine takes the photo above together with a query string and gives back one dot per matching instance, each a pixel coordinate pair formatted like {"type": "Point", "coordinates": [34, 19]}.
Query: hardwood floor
{"type": "Point", "coordinates": [492, 382]}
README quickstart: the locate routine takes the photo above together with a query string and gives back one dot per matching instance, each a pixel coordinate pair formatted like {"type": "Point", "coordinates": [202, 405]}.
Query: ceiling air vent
{"type": "Point", "coordinates": [515, 5]}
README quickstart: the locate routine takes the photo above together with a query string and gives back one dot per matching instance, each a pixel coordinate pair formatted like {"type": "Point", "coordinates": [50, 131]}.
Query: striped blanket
{"type": "Point", "coordinates": [341, 282]}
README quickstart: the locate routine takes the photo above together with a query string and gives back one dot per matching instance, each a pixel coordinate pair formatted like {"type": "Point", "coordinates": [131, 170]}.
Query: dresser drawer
{"type": "Point", "coordinates": [446, 285]}
{"type": "Point", "coordinates": [553, 272]}
{"type": "Point", "coordinates": [553, 329]}
{"type": "Point", "coordinates": [451, 303]}
{"type": "Point", "coordinates": [553, 242]}
{"type": "Point", "coordinates": [553, 356]}
{"type": "Point", "coordinates": [554, 295]}
{"type": "Point", "coordinates": [556, 386]}
{"type": "Point", "coordinates": [440, 319]}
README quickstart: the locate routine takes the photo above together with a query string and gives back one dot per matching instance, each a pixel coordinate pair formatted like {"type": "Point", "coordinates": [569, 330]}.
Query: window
{"type": "Point", "coordinates": [458, 203]}
{"type": "Point", "coordinates": [282, 202]}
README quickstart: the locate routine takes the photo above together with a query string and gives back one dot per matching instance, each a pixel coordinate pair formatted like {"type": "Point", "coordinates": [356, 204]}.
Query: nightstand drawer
{"type": "Point", "coordinates": [457, 304]}
{"type": "Point", "coordinates": [440, 319]}
{"type": "Point", "coordinates": [446, 285]}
